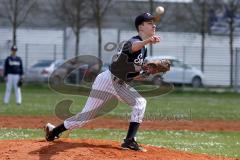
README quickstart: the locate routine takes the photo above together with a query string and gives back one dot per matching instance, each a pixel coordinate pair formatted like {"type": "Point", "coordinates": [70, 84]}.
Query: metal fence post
{"type": "Point", "coordinates": [237, 71]}
{"type": "Point", "coordinates": [26, 56]}
{"type": "Point", "coordinates": [118, 36]}
{"type": "Point", "coordinates": [65, 43]}
{"type": "Point", "coordinates": [55, 52]}
{"type": "Point", "coordinates": [184, 68]}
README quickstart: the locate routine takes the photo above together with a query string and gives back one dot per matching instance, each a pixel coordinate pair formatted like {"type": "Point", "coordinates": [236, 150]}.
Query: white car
{"type": "Point", "coordinates": [179, 73]}
{"type": "Point", "coordinates": [40, 71]}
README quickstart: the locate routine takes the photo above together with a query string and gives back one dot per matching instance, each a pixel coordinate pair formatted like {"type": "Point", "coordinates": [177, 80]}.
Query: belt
{"type": "Point", "coordinates": [119, 81]}
{"type": "Point", "coordinates": [116, 79]}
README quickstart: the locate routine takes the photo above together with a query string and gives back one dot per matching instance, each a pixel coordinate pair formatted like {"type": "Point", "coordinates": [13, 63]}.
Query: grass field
{"type": "Point", "coordinates": [39, 100]}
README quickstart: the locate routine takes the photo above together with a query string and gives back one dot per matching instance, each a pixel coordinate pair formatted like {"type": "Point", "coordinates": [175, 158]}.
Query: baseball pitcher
{"type": "Point", "coordinates": [129, 64]}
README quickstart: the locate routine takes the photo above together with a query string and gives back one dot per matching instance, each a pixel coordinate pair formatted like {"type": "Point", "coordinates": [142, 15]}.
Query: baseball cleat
{"type": "Point", "coordinates": [49, 136]}
{"type": "Point", "coordinates": [133, 145]}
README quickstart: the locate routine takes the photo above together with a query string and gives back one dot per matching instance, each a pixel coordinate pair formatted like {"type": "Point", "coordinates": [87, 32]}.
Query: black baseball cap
{"type": "Point", "coordinates": [143, 18]}
{"type": "Point", "coordinates": [14, 48]}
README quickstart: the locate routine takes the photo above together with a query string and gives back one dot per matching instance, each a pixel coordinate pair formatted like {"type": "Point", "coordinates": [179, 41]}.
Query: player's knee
{"type": "Point", "coordinates": [139, 110]}
{"type": "Point", "coordinates": [141, 103]}
{"type": "Point", "coordinates": [9, 89]}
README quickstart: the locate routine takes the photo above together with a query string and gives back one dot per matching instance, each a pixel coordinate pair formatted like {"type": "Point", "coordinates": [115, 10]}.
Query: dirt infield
{"type": "Point", "coordinates": [203, 125]}
{"type": "Point", "coordinates": [69, 149]}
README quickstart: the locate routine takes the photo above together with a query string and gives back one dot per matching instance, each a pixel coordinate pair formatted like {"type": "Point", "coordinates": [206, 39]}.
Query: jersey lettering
{"type": "Point", "coordinates": [139, 60]}
{"type": "Point", "coordinates": [14, 63]}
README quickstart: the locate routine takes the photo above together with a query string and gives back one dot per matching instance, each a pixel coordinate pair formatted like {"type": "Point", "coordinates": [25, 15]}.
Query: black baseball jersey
{"type": "Point", "coordinates": [127, 64]}
{"type": "Point", "coordinates": [13, 65]}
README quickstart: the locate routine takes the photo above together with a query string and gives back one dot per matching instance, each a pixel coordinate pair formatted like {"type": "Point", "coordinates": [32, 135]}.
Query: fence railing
{"type": "Point", "coordinates": [237, 71]}
{"type": "Point", "coordinates": [216, 60]}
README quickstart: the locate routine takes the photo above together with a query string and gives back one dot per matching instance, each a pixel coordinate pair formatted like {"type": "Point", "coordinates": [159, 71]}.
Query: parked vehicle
{"type": "Point", "coordinates": [1, 69]}
{"type": "Point", "coordinates": [85, 74]}
{"type": "Point", "coordinates": [40, 71]}
{"type": "Point", "coordinates": [179, 73]}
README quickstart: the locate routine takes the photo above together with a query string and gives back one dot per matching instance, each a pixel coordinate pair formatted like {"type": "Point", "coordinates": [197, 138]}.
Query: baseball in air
{"type": "Point", "coordinates": [159, 10]}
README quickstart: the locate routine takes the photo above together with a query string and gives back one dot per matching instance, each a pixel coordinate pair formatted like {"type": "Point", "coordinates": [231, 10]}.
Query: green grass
{"type": "Point", "coordinates": [212, 143]}
{"type": "Point", "coordinates": [40, 100]}
{"type": "Point", "coordinates": [37, 100]}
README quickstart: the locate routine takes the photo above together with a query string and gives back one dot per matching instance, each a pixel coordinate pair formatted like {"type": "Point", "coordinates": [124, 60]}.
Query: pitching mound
{"type": "Point", "coordinates": [88, 149]}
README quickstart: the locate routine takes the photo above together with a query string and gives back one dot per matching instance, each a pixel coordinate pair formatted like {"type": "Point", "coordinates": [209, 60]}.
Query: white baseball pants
{"type": "Point", "coordinates": [12, 80]}
{"type": "Point", "coordinates": [105, 84]}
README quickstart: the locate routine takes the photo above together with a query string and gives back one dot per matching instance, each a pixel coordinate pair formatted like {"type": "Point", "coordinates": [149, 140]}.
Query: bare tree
{"type": "Point", "coordinates": [203, 30]}
{"type": "Point", "coordinates": [151, 11]}
{"type": "Point", "coordinates": [99, 8]}
{"type": "Point", "coordinates": [73, 13]}
{"type": "Point", "coordinates": [199, 12]}
{"type": "Point", "coordinates": [199, 16]}
{"type": "Point", "coordinates": [231, 8]}
{"type": "Point", "coordinates": [16, 12]}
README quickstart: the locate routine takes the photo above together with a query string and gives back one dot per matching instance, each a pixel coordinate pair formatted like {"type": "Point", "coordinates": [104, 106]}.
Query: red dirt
{"type": "Point", "coordinates": [69, 149]}
{"type": "Point", "coordinates": [203, 125]}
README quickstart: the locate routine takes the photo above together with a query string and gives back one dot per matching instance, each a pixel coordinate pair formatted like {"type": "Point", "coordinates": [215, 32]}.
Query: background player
{"type": "Point", "coordinates": [13, 71]}
{"type": "Point", "coordinates": [126, 66]}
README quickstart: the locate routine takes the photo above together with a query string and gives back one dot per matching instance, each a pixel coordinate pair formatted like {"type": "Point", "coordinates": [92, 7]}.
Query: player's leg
{"type": "Point", "coordinates": [17, 89]}
{"type": "Point", "coordinates": [138, 103]}
{"type": "Point", "coordinates": [102, 91]}
{"type": "Point", "coordinates": [93, 108]}
{"type": "Point", "coordinates": [9, 83]}
{"type": "Point", "coordinates": [88, 113]}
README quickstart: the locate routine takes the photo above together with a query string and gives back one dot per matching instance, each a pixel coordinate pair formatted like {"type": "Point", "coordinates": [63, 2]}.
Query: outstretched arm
{"type": "Point", "coordinates": [136, 46]}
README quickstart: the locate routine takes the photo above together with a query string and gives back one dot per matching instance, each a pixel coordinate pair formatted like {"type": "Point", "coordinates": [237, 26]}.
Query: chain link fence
{"type": "Point", "coordinates": [35, 52]}
{"type": "Point", "coordinates": [216, 68]}
{"type": "Point", "coordinates": [32, 53]}
{"type": "Point", "coordinates": [216, 58]}
{"type": "Point", "coordinates": [237, 71]}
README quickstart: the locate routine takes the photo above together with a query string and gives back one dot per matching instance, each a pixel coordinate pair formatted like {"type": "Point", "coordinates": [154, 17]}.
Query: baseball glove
{"type": "Point", "coordinates": [156, 66]}
{"type": "Point", "coordinates": [20, 83]}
